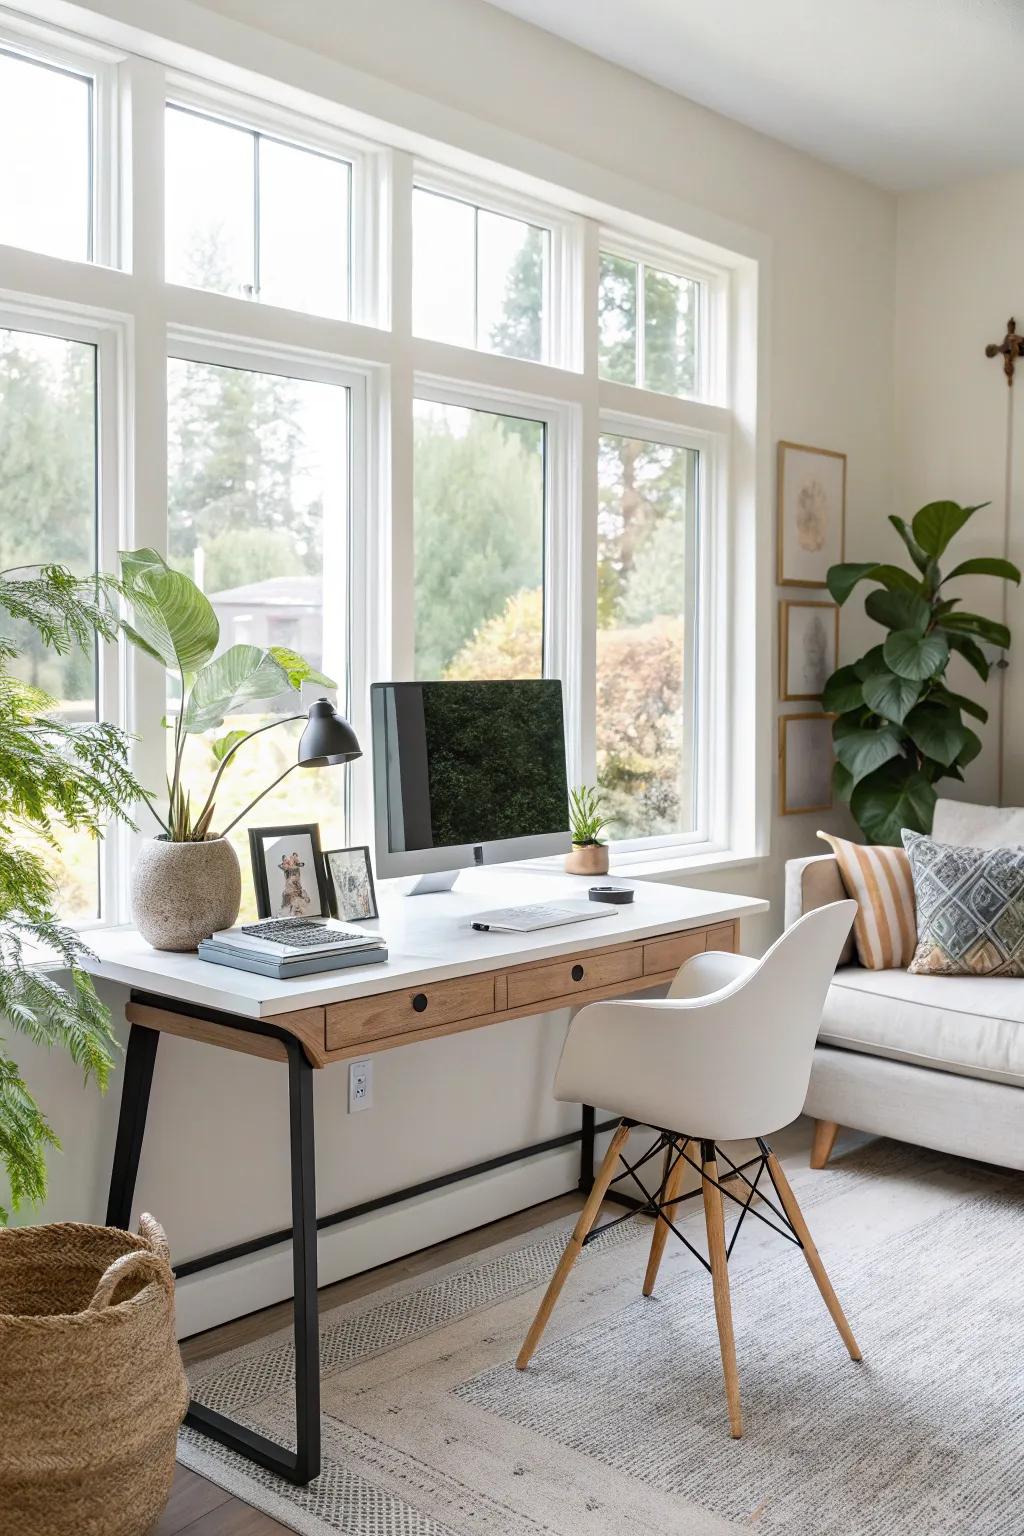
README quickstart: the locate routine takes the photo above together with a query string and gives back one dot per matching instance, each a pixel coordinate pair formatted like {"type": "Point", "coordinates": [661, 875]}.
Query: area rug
{"type": "Point", "coordinates": [619, 1426]}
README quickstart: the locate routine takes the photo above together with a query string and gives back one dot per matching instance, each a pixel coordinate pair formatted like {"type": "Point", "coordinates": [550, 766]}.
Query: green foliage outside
{"type": "Point", "coordinates": [900, 728]}
{"type": "Point", "coordinates": [53, 776]}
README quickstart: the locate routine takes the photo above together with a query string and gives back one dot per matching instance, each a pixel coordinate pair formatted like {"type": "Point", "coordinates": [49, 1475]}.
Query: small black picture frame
{"type": "Point", "coordinates": [350, 883]}
{"type": "Point", "coordinates": [296, 884]}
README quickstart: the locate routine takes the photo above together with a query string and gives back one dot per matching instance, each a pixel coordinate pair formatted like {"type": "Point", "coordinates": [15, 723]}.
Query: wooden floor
{"type": "Point", "coordinates": [199, 1507]}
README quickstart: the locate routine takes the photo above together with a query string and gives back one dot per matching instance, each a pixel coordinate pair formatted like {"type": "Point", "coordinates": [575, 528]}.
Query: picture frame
{"type": "Point", "coordinates": [350, 883]}
{"type": "Point", "coordinates": [288, 871]}
{"type": "Point", "coordinates": [805, 763]}
{"type": "Point", "coordinates": [811, 514]}
{"type": "Point", "coordinates": [808, 648]}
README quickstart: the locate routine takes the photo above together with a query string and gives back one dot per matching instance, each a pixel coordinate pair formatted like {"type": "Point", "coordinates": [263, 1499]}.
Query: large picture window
{"type": "Point", "coordinates": [408, 419]}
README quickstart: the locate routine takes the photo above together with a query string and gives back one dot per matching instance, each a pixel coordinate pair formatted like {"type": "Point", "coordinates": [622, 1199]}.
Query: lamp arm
{"type": "Point", "coordinates": [281, 720]}
{"type": "Point", "coordinates": [258, 798]}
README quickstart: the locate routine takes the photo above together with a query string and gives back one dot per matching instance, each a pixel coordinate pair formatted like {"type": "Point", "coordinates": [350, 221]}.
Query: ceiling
{"type": "Point", "coordinates": [907, 93]}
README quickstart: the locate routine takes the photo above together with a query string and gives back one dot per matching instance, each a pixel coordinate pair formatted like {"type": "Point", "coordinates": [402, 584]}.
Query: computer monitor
{"type": "Point", "coordinates": [467, 774]}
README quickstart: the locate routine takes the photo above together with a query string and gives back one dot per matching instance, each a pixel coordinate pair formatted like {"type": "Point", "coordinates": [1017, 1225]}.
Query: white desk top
{"type": "Point", "coordinates": [430, 938]}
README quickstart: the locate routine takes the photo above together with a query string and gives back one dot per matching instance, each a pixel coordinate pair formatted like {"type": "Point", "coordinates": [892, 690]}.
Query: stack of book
{"type": "Point", "coordinates": [293, 946]}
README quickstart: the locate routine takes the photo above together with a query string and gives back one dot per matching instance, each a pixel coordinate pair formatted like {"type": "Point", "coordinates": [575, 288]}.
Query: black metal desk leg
{"type": "Point", "coordinates": [136, 1081]}
{"type": "Point", "coordinates": [587, 1149]}
{"type": "Point", "coordinates": [303, 1464]}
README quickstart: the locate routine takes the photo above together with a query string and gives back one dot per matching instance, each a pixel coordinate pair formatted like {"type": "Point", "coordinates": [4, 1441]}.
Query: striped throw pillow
{"type": "Point", "coordinates": [878, 879]}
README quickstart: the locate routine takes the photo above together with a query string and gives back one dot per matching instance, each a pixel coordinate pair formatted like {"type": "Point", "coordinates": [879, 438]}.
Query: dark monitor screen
{"type": "Point", "coordinates": [469, 763]}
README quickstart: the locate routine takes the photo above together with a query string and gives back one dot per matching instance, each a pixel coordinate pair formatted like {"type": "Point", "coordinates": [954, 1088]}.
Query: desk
{"type": "Point", "coordinates": [441, 977]}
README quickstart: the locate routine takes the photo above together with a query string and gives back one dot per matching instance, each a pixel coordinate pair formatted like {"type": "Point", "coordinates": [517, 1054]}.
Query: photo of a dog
{"type": "Point", "coordinates": [288, 871]}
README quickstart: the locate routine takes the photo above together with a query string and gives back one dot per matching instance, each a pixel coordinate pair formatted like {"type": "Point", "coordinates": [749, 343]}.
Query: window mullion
{"type": "Point", "coordinates": [583, 680]}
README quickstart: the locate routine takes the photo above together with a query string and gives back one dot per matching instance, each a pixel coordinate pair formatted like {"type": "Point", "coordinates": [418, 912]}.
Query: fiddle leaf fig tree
{"type": "Point", "coordinates": [899, 727]}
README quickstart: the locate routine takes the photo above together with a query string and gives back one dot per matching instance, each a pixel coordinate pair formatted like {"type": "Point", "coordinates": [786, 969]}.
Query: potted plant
{"type": "Point", "coordinates": [589, 853]}
{"type": "Point", "coordinates": [186, 882]}
{"type": "Point", "coordinates": [899, 727]}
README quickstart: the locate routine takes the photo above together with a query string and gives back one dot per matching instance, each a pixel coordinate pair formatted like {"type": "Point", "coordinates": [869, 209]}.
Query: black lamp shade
{"type": "Point", "coordinates": [328, 738]}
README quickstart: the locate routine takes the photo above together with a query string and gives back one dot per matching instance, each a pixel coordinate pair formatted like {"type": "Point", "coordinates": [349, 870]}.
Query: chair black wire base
{"type": "Point", "coordinates": [656, 1203]}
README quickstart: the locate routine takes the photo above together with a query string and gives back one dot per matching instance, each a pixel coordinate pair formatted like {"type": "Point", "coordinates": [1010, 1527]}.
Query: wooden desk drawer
{"type": "Point", "coordinates": [394, 1013]}
{"type": "Point", "coordinates": [582, 973]}
{"type": "Point", "coordinates": [669, 954]}
{"type": "Point", "coordinates": [722, 936]}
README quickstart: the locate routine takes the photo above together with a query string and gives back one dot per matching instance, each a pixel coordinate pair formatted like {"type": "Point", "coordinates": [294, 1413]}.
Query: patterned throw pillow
{"type": "Point", "coordinates": [878, 879]}
{"type": "Point", "coordinates": [970, 908]}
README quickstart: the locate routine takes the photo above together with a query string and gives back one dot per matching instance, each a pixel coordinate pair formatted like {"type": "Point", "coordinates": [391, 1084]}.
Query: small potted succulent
{"type": "Point", "coordinates": [589, 853]}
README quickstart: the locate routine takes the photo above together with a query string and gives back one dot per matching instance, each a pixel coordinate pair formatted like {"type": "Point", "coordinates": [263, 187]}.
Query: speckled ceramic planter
{"type": "Point", "coordinates": [183, 892]}
{"type": "Point", "coordinates": [587, 859]}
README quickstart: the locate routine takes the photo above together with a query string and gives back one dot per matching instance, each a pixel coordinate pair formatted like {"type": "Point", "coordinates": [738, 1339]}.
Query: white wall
{"type": "Point", "coordinates": [214, 1167]}
{"type": "Point", "coordinates": [960, 275]}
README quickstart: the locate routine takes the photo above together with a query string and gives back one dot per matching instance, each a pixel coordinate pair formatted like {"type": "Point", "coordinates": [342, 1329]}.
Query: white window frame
{"type": "Point", "coordinates": [367, 296]}
{"type": "Point", "coordinates": [561, 336]}
{"type": "Point", "coordinates": [91, 61]}
{"type": "Point", "coordinates": [110, 337]}
{"type": "Point", "coordinates": [374, 353]}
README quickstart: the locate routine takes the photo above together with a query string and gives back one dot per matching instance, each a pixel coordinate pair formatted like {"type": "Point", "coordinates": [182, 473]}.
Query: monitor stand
{"type": "Point", "coordinates": [427, 885]}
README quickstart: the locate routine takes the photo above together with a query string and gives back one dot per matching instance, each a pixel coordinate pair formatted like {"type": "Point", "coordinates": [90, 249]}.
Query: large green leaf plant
{"type": "Point", "coordinates": [174, 622]}
{"type": "Point", "coordinates": [899, 727]}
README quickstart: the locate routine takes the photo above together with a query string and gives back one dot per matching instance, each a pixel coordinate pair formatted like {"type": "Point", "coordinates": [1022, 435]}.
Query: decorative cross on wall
{"type": "Point", "coordinates": [1010, 349]}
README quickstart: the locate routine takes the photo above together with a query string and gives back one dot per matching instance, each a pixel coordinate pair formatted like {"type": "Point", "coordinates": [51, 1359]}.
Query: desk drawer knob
{"type": "Point", "coordinates": [420, 1001]}
{"type": "Point", "coordinates": [578, 973]}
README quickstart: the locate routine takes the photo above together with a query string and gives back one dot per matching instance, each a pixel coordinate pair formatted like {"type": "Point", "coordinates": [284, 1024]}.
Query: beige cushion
{"type": "Point", "coordinates": [955, 1023]}
{"type": "Point", "coordinates": [978, 826]}
{"type": "Point", "coordinates": [878, 879]}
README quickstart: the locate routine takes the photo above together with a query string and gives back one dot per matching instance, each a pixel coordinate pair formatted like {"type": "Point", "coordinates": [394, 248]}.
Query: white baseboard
{"type": "Point", "coordinates": [232, 1290]}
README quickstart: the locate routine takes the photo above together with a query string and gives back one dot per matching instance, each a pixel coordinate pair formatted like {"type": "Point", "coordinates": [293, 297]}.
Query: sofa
{"type": "Point", "coordinates": [933, 1060]}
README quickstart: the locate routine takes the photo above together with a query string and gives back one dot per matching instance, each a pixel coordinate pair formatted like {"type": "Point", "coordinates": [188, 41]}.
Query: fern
{"type": "Point", "coordinates": [53, 775]}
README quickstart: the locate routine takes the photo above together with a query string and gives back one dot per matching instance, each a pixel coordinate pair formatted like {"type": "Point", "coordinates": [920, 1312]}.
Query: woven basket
{"type": "Point", "coordinates": [91, 1384]}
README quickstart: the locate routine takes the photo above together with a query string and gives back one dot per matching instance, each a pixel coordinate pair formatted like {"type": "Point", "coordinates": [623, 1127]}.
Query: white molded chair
{"type": "Point", "coordinates": [726, 1056]}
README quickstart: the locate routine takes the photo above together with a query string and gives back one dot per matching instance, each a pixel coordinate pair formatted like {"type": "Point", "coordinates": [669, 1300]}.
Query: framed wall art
{"type": "Point", "coordinates": [811, 514]}
{"type": "Point", "coordinates": [805, 763]}
{"type": "Point", "coordinates": [808, 648]}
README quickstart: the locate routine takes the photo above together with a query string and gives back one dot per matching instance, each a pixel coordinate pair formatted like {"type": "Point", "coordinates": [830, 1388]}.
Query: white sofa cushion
{"type": "Point", "coordinates": [966, 1024]}
{"type": "Point", "coordinates": [978, 826]}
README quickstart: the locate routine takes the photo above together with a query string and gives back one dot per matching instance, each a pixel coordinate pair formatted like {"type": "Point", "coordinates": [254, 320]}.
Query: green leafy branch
{"type": "Point", "coordinates": [53, 775]}
{"type": "Point", "coordinates": [899, 727]}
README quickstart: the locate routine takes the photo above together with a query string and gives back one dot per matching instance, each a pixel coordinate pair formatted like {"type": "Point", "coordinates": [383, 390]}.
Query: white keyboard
{"type": "Point", "coordinates": [540, 915]}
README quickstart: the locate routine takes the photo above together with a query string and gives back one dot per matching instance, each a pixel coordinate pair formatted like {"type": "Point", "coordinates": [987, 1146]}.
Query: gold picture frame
{"type": "Point", "coordinates": [810, 514]}
{"type": "Point", "coordinates": [809, 642]}
{"type": "Point", "coordinates": [812, 756]}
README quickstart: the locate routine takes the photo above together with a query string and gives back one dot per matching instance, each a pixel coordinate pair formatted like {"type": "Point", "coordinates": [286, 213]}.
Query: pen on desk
{"type": "Point", "coordinates": [482, 927]}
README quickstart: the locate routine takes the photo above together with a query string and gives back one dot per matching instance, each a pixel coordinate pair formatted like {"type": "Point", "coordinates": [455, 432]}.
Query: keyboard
{"type": "Point", "coordinates": [301, 932]}
{"type": "Point", "coordinates": [540, 915]}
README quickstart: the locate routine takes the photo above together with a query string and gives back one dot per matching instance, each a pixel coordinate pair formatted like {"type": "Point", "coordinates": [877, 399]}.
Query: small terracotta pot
{"type": "Point", "coordinates": [183, 892]}
{"type": "Point", "coordinates": [587, 859]}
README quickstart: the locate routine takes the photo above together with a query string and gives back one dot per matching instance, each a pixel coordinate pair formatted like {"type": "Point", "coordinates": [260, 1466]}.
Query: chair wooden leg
{"type": "Point", "coordinates": [825, 1133]}
{"type": "Point", "coordinates": [814, 1264]}
{"type": "Point", "coordinates": [587, 1217]}
{"type": "Point", "coordinates": [714, 1216]}
{"type": "Point", "coordinates": [659, 1238]}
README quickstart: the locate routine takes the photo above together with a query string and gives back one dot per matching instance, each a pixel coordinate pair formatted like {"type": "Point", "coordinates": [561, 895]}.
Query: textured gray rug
{"type": "Point", "coordinates": [619, 1427]}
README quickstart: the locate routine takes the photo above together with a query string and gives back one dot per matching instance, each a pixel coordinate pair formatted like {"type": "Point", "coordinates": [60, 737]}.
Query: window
{"type": "Point", "coordinates": [258, 515]}
{"type": "Point", "coordinates": [649, 326]}
{"type": "Point", "coordinates": [388, 488]}
{"type": "Point", "coordinates": [479, 543]}
{"type": "Point", "coordinates": [46, 173]}
{"type": "Point", "coordinates": [48, 500]}
{"type": "Point", "coordinates": [646, 635]}
{"type": "Point", "coordinates": [479, 278]}
{"type": "Point", "coordinates": [252, 216]}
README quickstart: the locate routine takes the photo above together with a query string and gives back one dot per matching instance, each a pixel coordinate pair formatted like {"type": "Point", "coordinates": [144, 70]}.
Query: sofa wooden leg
{"type": "Point", "coordinates": [825, 1133]}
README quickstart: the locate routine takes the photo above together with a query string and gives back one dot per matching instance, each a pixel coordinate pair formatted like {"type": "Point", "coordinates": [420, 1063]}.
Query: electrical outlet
{"type": "Point", "coordinates": [360, 1086]}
